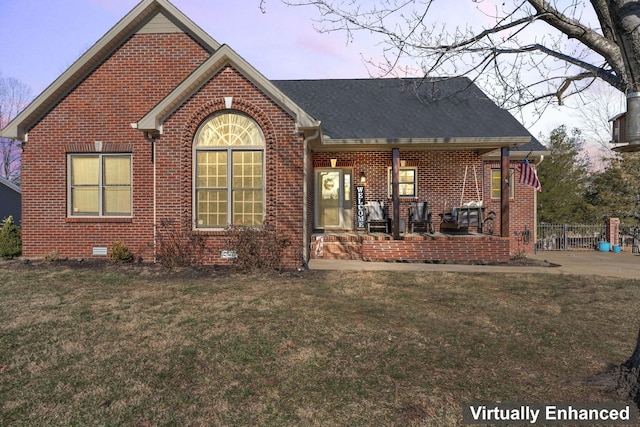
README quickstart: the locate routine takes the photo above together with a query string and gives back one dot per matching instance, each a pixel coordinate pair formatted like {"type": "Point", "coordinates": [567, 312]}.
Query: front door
{"type": "Point", "coordinates": [334, 205]}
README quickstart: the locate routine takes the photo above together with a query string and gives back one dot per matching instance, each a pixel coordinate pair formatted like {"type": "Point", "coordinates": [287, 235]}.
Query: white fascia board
{"type": "Point", "coordinates": [224, 56]}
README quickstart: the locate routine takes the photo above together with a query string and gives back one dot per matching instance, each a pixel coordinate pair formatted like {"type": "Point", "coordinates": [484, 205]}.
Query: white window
{"type": "Point", "coordinates": [229, 172]}
{"type": "Point", "coordinates": [408, 181]}
{"type": "Point", "coordinates": [100, 184]}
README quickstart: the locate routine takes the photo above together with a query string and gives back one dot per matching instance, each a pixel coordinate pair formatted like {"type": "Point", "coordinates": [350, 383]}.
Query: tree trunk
{"type": "Point", "coordinates": [634, 361]}
{"type": "Point", "coordinates": [625, 16]}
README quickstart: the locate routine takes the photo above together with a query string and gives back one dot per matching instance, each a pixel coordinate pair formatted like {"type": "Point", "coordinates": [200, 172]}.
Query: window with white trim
{"type": "Point", "coordinates": [408, 181]}
{"type": "Point", "coordinates": [100, 184]}
{"type": "Point", "coordinates": [229, 172]}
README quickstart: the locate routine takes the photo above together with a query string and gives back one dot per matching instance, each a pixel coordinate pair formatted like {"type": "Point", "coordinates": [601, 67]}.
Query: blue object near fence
{"type": "Point", "coordinates": [604, 246]}
{"type": "Point", "coordinates": [616, 248]}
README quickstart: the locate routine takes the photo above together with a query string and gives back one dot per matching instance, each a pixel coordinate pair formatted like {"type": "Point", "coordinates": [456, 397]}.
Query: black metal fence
{"type": "Point", "coordinates": [570, 237]}
{"type": "Point", "coordinates": [630, 237]}
{"type": "Point", "coordinates": [566, 237]}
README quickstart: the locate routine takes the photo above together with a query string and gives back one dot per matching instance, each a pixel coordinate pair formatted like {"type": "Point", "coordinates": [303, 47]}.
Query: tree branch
{"type": "Point", "coordinates": [604, 46]}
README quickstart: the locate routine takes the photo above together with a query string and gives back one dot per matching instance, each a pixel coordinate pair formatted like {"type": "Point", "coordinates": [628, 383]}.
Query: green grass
{"type": "Point", "coordinates": [130, 346]}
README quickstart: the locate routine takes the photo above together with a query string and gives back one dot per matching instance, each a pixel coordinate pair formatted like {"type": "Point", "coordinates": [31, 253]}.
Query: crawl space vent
{"type": "Point", "coordinates": [99, 250]}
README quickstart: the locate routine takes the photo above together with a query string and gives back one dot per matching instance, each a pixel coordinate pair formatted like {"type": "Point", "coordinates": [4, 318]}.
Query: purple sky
{"type": "Point", "coordinates": [42, 38]}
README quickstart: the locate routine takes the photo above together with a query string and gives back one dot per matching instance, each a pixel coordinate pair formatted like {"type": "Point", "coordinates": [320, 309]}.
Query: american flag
{"type": "Point", "coordinates": [528, 175]}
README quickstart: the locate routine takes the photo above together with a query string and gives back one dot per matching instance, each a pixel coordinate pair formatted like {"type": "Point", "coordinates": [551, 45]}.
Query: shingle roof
{"type": "Point", "coordinates": [402, 108]}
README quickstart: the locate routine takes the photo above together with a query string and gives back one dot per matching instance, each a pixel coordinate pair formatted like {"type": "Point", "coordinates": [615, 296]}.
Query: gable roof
{"type": "Point", "coordinates": [435, 112]}
{"type": "Point", "coordinates": [449, 113]}
{"type": "Point", "coordinates": [148, 16]}
{"type": "Point", "coordinates": [152, 121]}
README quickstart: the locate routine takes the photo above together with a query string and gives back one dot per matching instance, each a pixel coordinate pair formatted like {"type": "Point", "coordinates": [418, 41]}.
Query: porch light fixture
{"type": "Point", "coordinates": [363, 177]}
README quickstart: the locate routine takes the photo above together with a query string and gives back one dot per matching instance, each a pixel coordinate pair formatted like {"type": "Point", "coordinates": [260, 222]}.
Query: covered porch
{"type": "Point", "coordinates": [452, 152]}
{"type": "Point", "coordinates": [438, 247]}
{"type": "Point", "coordinates": [445, 180]}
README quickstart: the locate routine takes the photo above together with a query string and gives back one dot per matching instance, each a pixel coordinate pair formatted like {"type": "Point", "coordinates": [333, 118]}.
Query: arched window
{"type": "Point", "coordinates": [229, 172]}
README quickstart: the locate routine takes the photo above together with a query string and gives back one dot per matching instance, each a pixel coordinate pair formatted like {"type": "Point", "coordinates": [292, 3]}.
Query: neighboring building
{"type": "Point", "coordinates": [10, 201]}
{"type": "Point", "coordinates": [158, 121]}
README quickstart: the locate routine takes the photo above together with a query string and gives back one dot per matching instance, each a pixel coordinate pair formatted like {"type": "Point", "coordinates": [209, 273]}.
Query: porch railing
{"type": "Point", "coordinates": [565, 237]}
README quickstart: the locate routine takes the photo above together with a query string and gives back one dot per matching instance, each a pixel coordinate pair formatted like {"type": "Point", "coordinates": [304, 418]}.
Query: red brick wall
{"type": "Point", "coordinates": [119, 92]}
{"type": "Point", "coordinates": [522, 212]}
{"type": "Point", "coordinates": [480, 249]}
{"type": "Point", "coordinates": [101, 108]}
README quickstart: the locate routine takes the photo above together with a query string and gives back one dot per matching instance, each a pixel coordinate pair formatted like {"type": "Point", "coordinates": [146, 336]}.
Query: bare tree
{"type": "Point", "coordinates": [523, 52]}
{"type": "Point", "coordinates": [14, 96]}
{"type": "Point", "coordinates": [596, 108]}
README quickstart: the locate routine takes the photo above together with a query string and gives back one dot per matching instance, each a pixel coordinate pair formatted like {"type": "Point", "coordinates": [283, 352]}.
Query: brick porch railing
{"type": "Point", "coordinates": [412, 248]}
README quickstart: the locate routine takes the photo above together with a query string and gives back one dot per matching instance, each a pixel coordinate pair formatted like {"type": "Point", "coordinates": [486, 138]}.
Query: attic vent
{"type": "Point", "coordinates": [159, 24]}
{"type": "Point", "coordinates": [99, 251]}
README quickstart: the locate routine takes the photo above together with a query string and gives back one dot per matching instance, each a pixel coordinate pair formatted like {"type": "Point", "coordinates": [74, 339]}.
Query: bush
{"type": "Point", "coordinates": [257, 247]}
{"type": "Point", "coordinates": [53, 256]}
{"type": "Point", "coordinates": [120, 252]}
{"type": "Point", "coordinates": [178, 245]}
{"type": "Point", "coordinates": [10, 239]}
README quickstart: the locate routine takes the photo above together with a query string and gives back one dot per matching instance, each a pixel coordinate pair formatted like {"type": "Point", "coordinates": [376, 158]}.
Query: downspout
{"type": "Point", "coordinates": [149, 137]}
{"type": "Point", "coordinates": [305, 192]}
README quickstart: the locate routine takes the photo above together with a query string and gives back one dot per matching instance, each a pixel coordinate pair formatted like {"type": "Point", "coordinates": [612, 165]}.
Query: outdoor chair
{"type": "Point", "coordinates": [420, 217]}
{"type": "Point", "coordinates": [376, 217]}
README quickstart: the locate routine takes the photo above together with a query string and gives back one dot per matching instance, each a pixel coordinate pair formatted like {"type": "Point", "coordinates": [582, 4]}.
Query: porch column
{"type": "Point", "coordinates": [504, 192]}
{"type": "Point", "coordinates": [395, 192]}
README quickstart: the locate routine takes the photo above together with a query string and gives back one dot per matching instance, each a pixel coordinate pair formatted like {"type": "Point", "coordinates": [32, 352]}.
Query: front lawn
{"type": "Point", "coordinates": [111, 345]}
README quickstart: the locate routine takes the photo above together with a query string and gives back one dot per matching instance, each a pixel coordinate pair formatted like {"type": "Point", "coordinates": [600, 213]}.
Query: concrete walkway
{"type": "Point", "coordinates": [623, 265]}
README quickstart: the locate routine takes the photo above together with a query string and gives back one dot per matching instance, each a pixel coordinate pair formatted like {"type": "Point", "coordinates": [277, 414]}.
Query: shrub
{"type": "Point", "coordinates": [257, 247]}
{"type": "Point", "coordinates": [178, 245]}
{"type": "Point", "coordinates": [53, 256]}
{"type": "Point", "coordinates": [10, 239]}
{"type": "Point", "coordinates": [120, 252]}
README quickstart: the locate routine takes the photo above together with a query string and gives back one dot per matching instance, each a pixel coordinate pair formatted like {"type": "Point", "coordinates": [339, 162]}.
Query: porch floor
{"type": "Point", "coordinates": [412, 247]}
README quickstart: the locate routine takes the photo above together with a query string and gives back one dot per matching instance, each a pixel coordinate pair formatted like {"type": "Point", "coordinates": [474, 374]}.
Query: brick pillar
{"type": "Point", "coordinates": [613, 231]}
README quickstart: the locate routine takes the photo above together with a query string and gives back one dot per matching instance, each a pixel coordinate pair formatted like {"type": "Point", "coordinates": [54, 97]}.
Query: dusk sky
{"type": "Point", "coordinates": [41, 39]}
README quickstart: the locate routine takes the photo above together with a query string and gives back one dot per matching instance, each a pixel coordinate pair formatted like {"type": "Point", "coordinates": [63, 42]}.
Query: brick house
{"type": "Point", "coordinates": [158, 121]}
